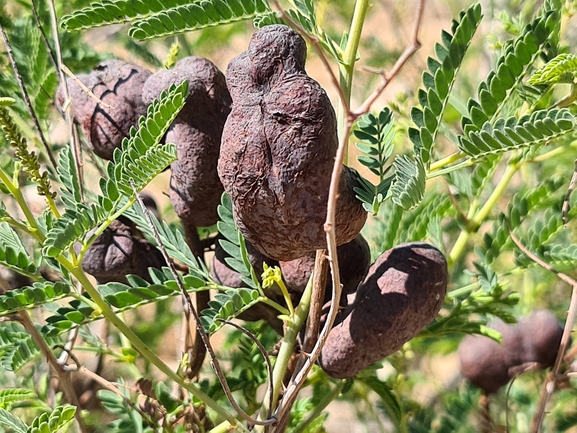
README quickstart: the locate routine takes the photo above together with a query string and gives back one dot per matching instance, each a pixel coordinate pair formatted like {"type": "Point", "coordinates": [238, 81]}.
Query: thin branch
{"type": "Point", "coordinates": [550, 381]}
{"type": "Point", "coordinates": [113, 388]}
{"type": "Point", "coordinates": [204, 336]}
{"type": "Point", "coordinates": [319, 287]}
{"type": "Point", "coordinates": [263, 353]}
{"type": "Point", "coordinates": [401, 61]}
{"type": "Point", "coordinates": [27, 97]}
{"type": "Point", "coordinates": [83, 86]}
{"type": "Point", "coordinates": [283, 410]}
{"type": "Point", "coordinates": [74, 142]}
{"type": "Point", "coordinates": [572, 185]}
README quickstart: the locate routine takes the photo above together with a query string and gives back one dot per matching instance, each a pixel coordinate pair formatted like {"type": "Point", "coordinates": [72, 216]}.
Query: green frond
{"type": "Point", "coordinates": [538, 128]}
{"type": "Point", "coordinates": [13, 255]}
{"type": "Point", "coordinates": [171, 238]}
{"type": "Point", "coordinates": [227, 306]}
{"type": "Point", "coordinates": [408, 185]}
{"type": "Point", "coordinates": [376, 136]}
{"type": "Point", "coordinates": [415, 224]}
{"type": "Point", "coordinates": [197, 15]}
{"type": "Point", "coordinates": [72, 227]}
{"type": "Point", "coordinates": [10, 422]}
{"type": "Point", "coordinates": [158, 18]}
{"type": "Point", "coordinates": [57, 421]}
{"type": "Point", "coordinates": [142, 156]}
{"type": "Point", "coordinates": [69, 181]}
{"type": "Point", "coordinates": [22, 350]}
{"type": "Point", "coordinates": [439, 80]}
{"type": "Point", "coordinates": [234, 244]}
{"type": "Point", "coordinates": [509, 72]}
{"type": "Point", "coordinates": [31, 296]}
{"type": "Point", "coordinates": [561, 69]}
{"type": "Point", "coordinates": [9, 396]}
{"type": "Point", "coordinates": [122, 297]}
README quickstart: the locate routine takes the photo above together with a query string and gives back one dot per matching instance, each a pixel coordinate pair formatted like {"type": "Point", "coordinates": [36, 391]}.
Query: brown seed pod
{"type": "Point", "coordinates": [401, 294]}
{"type": "Point", "coordinates": [489, 365]}
{"type": "Point", "coordinates": [195, 188]}
{"type": "Point", "coordinates": [278, 149]}
{"type": "Point", "coordinates": [117, 84]}
{"type": "Point", "coordinates": [117, 253]}
{"type": "Point", "coordinates": [354, 260]}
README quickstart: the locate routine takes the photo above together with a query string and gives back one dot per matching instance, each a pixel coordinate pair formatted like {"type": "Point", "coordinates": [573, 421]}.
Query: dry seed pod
{"type": "Point", "coordinates": [195, 188]}
{"type": "Point", "coordinates": [117, 253]}
{"type": "Point", "coordinates": [354, 260]}
{"type": "Point", "coordinates": [401, 294]}
{"type": "Point", "coordinates": [490, 365]}
{"type": "Point", "coordinates": [278, 149]}
{"type": "Point", "coordinates": [119, 85]}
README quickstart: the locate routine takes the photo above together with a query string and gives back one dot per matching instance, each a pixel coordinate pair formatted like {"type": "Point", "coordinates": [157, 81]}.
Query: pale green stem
{"type": "Point", "coordinates": [479, 217]}
{"type": "Point", "coordinates": [15, 191]}
{"type": "Point", "coordinates": [287, 347]}
{"type": "Point", "coordinates": [144, 350]}
{"type": "Point", "coordinates": [442, 163]}
{"type": "Point", "coordinates": [102, 228]}
{"type": "Point", "coordinates": [320, 406]}
{"type": "Point", "coordinates": [347, 67]}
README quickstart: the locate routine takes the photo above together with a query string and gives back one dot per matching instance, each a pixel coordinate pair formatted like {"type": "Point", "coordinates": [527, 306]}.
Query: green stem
{"type": "Point", "coordinates": [103, 227]}
{"type": "Point", "coordinates": [17, 194]}
{"type": "Point", "coordinates": [316, 412]}
{"type": "Point", "coordinates": [144, 350]}
{"type": "Point", "coordinates": [347, 67]}
{"type": "Point", "coordinates": [483, 213]}
{"type": "Point", "coordinates": [287, 347]}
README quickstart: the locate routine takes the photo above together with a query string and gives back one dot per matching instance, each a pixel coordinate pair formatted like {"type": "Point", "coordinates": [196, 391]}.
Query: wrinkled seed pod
{"type": "Point", "coordinates": [225, 276]}
{"type": "Point", "coordinates": [401, 294]}
{"type": "Point", "coordinates": [489, 365]}
{"type": "Point", "coordinates": [117, 253]}
{"type": "Point", "coordinates": [354, 260]}
{"type": "Point", "coordinates": [195, 188]}
{"type": "Point", "coordinates": [278, 149]}
{"type": "Point", "coordinates": [117, 84]}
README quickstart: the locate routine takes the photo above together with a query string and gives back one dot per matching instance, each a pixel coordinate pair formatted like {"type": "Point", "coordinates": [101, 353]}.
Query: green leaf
{"type": "Point", "coordinates": [9, 421]}
{"type": "Point", "coordinates": [9, 396]}
{"type": "Point", "coordinates": [56, 421]}
{"type": "Point", "coordinates": [439, 81]}
{"type": "Point", "coordinates": [541, 127]}
{"type": "Point", "coordinates": [408, 185]}
{"type": "Point", "coordinates": [561, 69]}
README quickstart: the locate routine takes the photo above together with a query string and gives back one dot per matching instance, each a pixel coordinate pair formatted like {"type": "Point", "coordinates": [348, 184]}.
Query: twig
{"type": "Point", "coordinates": [387, 77]}
{"type": "Point", "coordinates": [298, 379]}
{"type": "Point", "coordinates": [113, 388]}
{"type": "Point", "coordinates": [83, 86]}
{"type": "Point", "coordinates": [24, 318]}
{"type": "Point", "coordinates": [572, 185]}
{"type": "Point", "coordinates": [549, 385]}
{"type": "Point", "coordinates": [196, 348]}
{"type": "Point", "coordinates": [27, 97]}
{"type": "Point", "coordinates": [485, 411]}
{"type": "Point", "coordinates": [205, 339]}
{"type": "Point", "coordinates": [74, 142]}
{"type": "Point", "coordinates": [262, 351]}
{"type": "Point", "coordinates": [319, 286]}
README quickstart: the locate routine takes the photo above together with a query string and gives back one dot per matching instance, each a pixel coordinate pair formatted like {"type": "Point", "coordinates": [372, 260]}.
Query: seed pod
{"type": "Point", "coordinates": [489, 365]}
{"type": "Point", "coordinates": [119, 85]}
{"type": "Point", "coordinates": [354, 260]}
{"type": "Point", "coordinates": [117, 253]}
{"type": "Point", "coordinates": [195, 188]}
{"type": "Point", "coordinates": [401, 294]}
{"type": "Point", "coordinates": [278, 149]}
